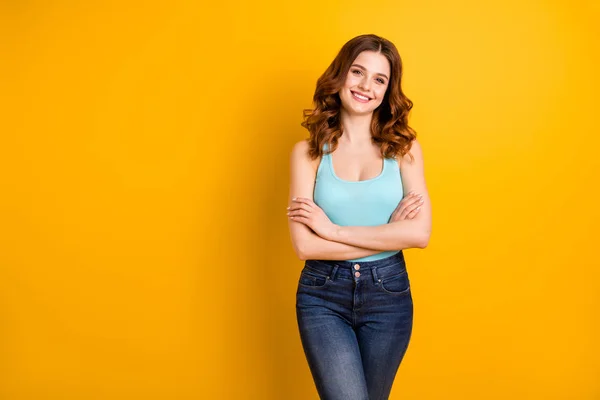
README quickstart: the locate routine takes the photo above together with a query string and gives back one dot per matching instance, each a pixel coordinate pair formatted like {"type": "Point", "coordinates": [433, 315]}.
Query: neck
{"type": "Point", "coordinates": [356, 128]}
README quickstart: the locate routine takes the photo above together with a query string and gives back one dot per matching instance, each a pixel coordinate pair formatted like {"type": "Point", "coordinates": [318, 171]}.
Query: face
{"type": "Point", "coordinates": [366, 83]}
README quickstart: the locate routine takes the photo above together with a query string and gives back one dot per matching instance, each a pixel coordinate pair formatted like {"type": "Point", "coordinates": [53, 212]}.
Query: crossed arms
{"type": "Point", "coordinates": [346, 242]}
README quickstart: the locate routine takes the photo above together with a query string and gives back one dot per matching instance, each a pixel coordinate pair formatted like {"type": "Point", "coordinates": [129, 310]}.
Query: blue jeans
{"type": "Point", "coordinates": [355, 322]}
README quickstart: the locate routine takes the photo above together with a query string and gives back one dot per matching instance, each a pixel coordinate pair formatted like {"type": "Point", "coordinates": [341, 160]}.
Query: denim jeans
{"type": "Point", "coordinates": [355, 322]}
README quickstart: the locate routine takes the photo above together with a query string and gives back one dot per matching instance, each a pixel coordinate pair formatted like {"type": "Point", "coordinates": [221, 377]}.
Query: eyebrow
{"type": "Point", "coordinates": [364, 69]}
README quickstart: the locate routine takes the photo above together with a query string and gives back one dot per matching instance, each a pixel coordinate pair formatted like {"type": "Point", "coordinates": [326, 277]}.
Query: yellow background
{"type": "Point", "coordinates": [145, 156]}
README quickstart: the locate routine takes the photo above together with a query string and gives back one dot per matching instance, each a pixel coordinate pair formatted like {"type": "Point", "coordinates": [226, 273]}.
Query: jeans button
{"type": "Point", "coordinates": [357, 274]}
{"type": "Point", "coordinates": [356, 266]}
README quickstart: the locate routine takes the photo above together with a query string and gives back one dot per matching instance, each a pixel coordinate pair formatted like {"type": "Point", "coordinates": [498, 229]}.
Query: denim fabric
{"type": "Point", "coordinates": [354, 329]}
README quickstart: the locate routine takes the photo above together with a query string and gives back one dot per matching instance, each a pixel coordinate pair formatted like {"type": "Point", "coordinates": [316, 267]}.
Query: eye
{"type": "Point", "coordinates": [381, 81]}
{"type": "Point", "coordinates": [356, 70]}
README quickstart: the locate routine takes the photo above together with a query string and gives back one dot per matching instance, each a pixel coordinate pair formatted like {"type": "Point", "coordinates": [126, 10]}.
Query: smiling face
{"type": "Point", "coordinates": [366, 83]}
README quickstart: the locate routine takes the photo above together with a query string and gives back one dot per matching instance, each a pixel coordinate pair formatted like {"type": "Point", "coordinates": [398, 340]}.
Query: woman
{"type": "Point", "coordinates": [357, 199]}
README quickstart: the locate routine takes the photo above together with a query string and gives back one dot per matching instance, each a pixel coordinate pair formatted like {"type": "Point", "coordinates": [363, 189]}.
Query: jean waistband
{"type": "Point", "coordinates": [394, 259]}
{"type": "Point", "coordinates": [375, 270]}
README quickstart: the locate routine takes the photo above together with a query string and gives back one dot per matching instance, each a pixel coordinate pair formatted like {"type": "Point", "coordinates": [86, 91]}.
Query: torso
{"type": "Point", "coordinates": [360, 190]}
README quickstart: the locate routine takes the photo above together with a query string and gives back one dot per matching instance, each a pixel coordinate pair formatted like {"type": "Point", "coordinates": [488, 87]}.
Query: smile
{"type": "Point", "coordinates": [360, 97]}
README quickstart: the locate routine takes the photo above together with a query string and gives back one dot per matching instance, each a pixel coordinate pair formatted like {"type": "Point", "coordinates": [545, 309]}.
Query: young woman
{"type": "Point", "coordinates": [357, 199]}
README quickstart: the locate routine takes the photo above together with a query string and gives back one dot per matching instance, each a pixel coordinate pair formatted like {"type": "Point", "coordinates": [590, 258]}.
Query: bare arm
{"type": "Point", "coordinates": [307, 244]}
{"type": "Point", "coordinates": [398, 235]}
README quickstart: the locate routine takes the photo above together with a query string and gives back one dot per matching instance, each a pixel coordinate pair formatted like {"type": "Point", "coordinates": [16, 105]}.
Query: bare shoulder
{"type": "Point", "coordinates": [300, 156]}
{"type": "Point", "coordinates": [300, 149]}
{"type": "Point", "coordinates": [303, 171]}
{"type": "Point", "coordinates": [412, 170]}
{"type": "Point", "coordinates": [416, 151]}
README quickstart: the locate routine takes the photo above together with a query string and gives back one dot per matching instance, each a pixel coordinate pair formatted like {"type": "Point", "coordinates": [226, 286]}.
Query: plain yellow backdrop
{"type": "Point", "coordinates": [145, 149]}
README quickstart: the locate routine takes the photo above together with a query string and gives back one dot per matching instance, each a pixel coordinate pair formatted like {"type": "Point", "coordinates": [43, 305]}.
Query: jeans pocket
{"type": "Point", "coordinates": [312, 278]}
{"type": "Point", "coordinates": [397, 284]}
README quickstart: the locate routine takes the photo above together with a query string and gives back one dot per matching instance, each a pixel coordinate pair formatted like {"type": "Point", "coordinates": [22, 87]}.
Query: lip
{"type": "Point", "coordinates": [362, 94]}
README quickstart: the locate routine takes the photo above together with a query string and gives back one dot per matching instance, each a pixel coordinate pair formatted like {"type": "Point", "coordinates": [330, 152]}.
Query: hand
{"type": "Point", "coordinates": [306, 211]}
{"type": "Point", "coordinates": [408, 208]}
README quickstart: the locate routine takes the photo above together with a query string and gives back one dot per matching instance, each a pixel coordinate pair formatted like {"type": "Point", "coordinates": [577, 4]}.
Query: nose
{"type": "Point", "coordinates": [365, 84]}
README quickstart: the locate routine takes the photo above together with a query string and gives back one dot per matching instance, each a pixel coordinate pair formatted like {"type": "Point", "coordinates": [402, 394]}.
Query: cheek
{"type": "Point", "coordinates": [351, 81]}
{"type": "Point", "coordinates": [381, 94]}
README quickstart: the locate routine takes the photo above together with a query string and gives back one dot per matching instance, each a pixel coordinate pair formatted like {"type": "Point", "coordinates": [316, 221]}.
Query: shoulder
{"type": "Point", "coordinates": [302, 171]}
{"type": "Point", "coordinates": [412, 170]}
{"type": "Point", "coordinates": [299, 152]}
{"type": "Point", "coordinates": [417, 155]}
{"type": "Point", "coordinates": [300, 148]}
{"type": "Point", "coordinates": [300, 157]}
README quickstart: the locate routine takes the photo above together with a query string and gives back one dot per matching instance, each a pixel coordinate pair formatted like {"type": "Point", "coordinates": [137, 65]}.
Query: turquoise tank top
{"type": "Point", "coordinates": [363, 203]}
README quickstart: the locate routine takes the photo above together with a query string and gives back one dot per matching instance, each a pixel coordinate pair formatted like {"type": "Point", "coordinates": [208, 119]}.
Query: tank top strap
{"type": "Point", "coordinates": [324, 159]}
{"type": "Point", "coordinates": [392, 163]}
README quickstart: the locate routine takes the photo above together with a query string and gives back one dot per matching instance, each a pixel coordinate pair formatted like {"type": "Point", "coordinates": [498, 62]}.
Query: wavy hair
{"type": "Point", "coordinates": [389, 126]}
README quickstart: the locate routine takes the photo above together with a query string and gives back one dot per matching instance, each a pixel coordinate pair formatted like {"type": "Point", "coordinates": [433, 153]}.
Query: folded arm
{"type": "Point", "coordinates": [310, 246]}
{"type": "Point", "coordinates": [346, 242]}
{"type": "Point", "coordinates": [398, 235]}
{"type": "Point", "coordinates": [307, 244]}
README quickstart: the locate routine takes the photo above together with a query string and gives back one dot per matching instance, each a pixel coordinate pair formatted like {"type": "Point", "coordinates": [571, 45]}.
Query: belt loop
{"type": "Point", "coordinates": [374, 274]}
{"type": "Point", "coordinates": [333, 272]}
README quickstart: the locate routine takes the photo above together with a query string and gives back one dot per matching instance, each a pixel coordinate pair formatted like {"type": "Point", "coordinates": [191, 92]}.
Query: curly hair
{"type": "Point", "coordinates": [389, 126]}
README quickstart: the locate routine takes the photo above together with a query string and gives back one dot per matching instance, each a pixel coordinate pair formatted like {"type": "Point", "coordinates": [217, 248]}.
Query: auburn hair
{"type": "Point", "coordinates": [389, 126]}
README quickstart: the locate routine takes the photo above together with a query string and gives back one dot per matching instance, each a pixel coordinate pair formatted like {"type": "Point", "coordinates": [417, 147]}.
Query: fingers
{"type": "Point", "coordinates": [413, 210]}
{"type": "Point", "coordinates": [301, 203]}
{"type": "Point", "coordinates": [413, 213]}
{"type": "Point", "coordinates": [412, 205]}
{"type": "Point", "coordinates": [299, 217]}
{"type": "Point", "coordinates": [300, 209]}
{"type": "Point", "coordinates": [408, 207]}
{"type": "Point", "coordinates": [303, 200]}
{"type": "Point", "coordinates": [295, 207]}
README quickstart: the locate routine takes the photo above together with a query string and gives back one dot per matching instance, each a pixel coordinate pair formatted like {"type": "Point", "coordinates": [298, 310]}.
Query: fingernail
{"type": "Point", "coordinates": [287, 208]}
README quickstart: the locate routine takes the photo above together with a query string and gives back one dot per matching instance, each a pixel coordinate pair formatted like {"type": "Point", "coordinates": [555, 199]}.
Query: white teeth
{"type": "Point", "coordinates": [359, 96]}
